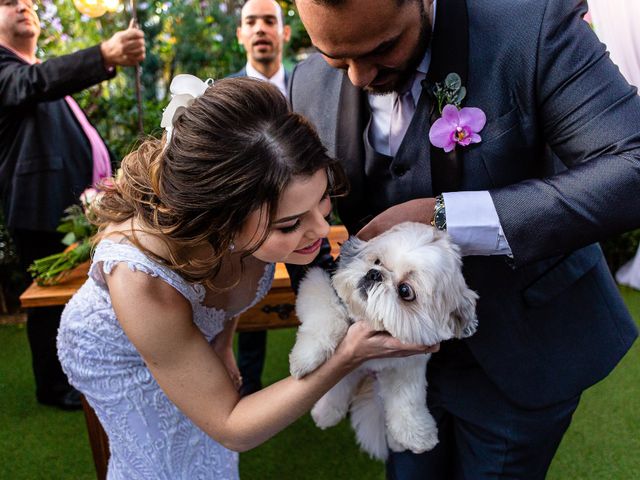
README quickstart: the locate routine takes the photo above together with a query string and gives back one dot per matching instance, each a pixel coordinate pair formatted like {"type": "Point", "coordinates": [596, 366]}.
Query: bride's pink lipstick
{"type": "Point", "coordinates": [311, 248]}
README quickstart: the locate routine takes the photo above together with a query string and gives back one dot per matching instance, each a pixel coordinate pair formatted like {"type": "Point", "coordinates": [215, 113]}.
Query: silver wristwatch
{"type": "Point", "coordinates": [439, 216]}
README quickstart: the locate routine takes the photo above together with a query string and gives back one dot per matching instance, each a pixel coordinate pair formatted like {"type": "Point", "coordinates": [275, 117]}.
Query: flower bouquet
{"type": "Point", "coordinates": [78, 231]}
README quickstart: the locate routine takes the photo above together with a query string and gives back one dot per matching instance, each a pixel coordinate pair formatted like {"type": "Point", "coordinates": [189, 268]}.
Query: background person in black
{"type": "Point", "coordinates": [47, 158]}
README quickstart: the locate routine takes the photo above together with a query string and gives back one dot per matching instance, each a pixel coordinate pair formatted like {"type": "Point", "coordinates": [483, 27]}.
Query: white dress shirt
{"type": "Point", "coordinates": [472, 220]}
{"type": "Point", "coordinates": [278, 78]}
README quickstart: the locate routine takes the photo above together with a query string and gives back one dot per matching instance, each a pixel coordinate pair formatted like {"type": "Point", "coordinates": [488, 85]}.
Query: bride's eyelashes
{"type": "Point", "coordinates": [291, 228]}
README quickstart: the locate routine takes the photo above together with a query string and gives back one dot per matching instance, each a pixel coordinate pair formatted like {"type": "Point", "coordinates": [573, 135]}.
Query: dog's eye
{"type": "Point", "coordinates": [377, 262]}
{"type": "Point", "coordinates": [406, 292]}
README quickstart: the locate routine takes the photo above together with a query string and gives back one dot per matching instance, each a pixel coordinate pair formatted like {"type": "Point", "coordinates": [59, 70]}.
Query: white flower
{"type": "Point", "coordinates": [88, 196]}
{"type": "Point", "coordinates": [184, 90]}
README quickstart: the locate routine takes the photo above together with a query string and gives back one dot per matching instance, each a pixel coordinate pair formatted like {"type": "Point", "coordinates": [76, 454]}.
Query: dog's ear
{"type": "Point", "coordinates": [463, 318]}
{"type": "Point", "coordinates": [350, 250]}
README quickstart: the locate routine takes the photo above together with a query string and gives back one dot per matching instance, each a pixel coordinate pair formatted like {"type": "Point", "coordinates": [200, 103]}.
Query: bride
{"type": "Point", "coordinates": [188, 237]}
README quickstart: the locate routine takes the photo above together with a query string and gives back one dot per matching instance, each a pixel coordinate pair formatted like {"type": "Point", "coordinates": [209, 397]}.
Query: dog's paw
{"type": "Point", "coordinates": [418, 434]}
{"type": "Point", "coordinates": [425, 441]}
{"type": "Point", "coordinates": [305, 358]}
{"type": "Point", "coordinates": [327, 414]}
{"type": "Point", "coordinates": [301, 365]}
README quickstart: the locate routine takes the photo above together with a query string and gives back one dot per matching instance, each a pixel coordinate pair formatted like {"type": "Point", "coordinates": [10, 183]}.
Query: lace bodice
{"type": "Point", "coordinates": [149, 437]}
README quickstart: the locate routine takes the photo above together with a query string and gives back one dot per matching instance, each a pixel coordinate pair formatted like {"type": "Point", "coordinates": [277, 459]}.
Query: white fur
{"type": "Point", "coordinates": [386, 397]}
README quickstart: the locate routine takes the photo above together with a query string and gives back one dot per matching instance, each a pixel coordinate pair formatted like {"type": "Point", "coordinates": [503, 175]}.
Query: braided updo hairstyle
{"type": "Point", "coordinates": [233, 151]}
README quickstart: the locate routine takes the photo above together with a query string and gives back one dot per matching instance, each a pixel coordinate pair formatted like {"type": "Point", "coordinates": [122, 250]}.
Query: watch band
{"type": "Point", "coordinates": [439, 220]}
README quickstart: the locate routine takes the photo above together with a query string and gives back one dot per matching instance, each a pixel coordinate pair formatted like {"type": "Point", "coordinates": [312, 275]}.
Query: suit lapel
{"type": "Point", "coordinates": [287, 77]}
{"type": "Point", "coordinates": [449, 54]}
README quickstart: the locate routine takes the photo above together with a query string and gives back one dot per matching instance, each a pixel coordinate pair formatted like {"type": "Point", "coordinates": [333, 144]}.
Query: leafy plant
{"type": "Point", "coordinates": [187, 36]}
{"type": "Point", "coordinates": [450, 91]}
{"type": "Point", "coordinates": [78, 232]}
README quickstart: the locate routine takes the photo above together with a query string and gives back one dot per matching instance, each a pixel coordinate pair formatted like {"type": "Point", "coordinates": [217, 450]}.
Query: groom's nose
{"type": "Point", "coordinates": [361, 73]}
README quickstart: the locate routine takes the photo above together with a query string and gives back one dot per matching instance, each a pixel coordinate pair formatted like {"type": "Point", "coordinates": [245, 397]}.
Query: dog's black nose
{"type": "Point", "coordinates": [374, 275]}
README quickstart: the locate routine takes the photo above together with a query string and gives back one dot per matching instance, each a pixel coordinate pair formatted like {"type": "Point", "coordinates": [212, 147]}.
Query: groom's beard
{"type": "Point", "coordinates": [406, 74]}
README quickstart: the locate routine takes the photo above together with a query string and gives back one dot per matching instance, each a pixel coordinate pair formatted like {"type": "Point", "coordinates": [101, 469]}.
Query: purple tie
{"type": "Point", "coordinates": [401, 115]}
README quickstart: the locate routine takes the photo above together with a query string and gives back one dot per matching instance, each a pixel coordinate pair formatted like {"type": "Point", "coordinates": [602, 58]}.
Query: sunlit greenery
{"type": "Point", "coordinates": [186, 36]}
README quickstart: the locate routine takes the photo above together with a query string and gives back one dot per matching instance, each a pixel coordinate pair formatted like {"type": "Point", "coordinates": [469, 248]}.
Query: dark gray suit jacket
{"type": "Point", "coordinates": [45, 156]}
{"type": "Point", "coordinates": [560, 156]}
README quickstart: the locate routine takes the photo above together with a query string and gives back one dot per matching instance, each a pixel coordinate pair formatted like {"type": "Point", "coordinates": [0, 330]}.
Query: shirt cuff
{"type": "Point", "coordinates": [473, 224]}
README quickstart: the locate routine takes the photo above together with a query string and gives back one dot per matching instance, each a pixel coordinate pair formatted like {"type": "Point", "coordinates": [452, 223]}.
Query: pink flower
{"type": "Point", "coordinates": [457, 126]}
{"type": "Point", "coordinates": [88, 196]}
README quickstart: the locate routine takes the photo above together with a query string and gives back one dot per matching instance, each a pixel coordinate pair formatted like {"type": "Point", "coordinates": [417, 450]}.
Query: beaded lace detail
{"type": "Point", "coordinates": [149, 437]}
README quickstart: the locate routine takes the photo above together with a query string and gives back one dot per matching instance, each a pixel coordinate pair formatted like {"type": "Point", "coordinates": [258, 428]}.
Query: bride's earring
{"type": "Point", "coordinates": [232, 247]}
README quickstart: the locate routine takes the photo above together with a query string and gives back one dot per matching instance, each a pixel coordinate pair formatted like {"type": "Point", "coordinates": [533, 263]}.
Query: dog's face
{"type": "Point", "coordinates": [407, 281]}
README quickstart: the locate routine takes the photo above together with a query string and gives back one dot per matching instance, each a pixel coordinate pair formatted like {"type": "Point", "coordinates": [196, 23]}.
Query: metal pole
{"type": "Point", "coordinates": [138, 70]}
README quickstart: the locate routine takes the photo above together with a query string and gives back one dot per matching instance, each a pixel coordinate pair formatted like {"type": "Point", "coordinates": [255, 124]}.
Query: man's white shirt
{"type": "Point", "coordinates": [278, 78]}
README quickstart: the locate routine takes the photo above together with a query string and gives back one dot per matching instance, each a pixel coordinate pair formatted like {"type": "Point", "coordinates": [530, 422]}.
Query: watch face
{"type": "Point", "coordinates": [440, 219]}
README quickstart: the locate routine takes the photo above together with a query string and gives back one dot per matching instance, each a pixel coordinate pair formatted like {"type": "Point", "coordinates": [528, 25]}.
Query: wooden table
{"type": "Point", "coordinates": [276, 310]}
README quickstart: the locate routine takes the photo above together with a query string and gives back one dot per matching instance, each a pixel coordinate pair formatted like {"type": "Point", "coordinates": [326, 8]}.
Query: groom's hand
{"type": "Point", "coordinates": [418, 210]}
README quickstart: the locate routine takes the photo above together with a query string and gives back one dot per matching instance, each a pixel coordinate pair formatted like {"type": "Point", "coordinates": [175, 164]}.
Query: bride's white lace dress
{"type": "Point", "coordinates": [149, 437]}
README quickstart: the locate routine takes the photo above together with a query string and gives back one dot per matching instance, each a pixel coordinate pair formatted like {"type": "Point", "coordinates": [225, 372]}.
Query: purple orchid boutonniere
{"type": "Point", "coordinates": [456, 125]}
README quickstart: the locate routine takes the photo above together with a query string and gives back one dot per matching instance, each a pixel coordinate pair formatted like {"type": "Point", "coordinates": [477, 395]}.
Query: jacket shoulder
{"type": "Point", "coordinates": [311, 76]}
{"type": "Point", "coordinates": [239, 73]}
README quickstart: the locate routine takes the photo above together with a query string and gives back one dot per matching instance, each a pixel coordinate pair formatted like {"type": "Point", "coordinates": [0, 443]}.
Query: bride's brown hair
{"type": "Point", "coordinates": [233, 151]}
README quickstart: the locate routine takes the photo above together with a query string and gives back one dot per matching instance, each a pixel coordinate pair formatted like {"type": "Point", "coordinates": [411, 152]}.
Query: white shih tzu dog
{"type": "Point", "coordinates": [407, 281]}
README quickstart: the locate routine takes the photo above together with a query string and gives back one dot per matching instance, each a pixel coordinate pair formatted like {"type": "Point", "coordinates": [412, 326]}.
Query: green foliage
{"type": "Point", "coordinates": [188, 36]}
{"type": "Point", "coordinates": [78, 230]}
{"type": "Point", "coordinates": [11, 279]}
{"type": "Point", "coordinates": [55, 268]}
{"type": "Point", "coordinates": [75, 225]}
{"type": "Point", "coordinates": [618, 250]}
{"type": "Point", "coordinates": [450, 91]}
{"type": "Point", "coordinates": [7, 252]}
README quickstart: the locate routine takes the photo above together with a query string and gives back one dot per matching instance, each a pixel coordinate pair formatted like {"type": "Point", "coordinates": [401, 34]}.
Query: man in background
{"type": "Point", "coordinates": [49, 153]}
{"type": "Point", "coordinates": [262, 33]}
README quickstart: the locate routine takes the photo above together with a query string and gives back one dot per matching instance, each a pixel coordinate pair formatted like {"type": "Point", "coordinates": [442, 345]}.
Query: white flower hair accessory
{"type": "Point", "coordinates": [184, 90]}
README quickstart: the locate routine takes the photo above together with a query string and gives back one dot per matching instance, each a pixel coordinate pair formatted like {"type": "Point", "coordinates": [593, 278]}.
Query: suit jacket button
{"type": "Point", "coordinates": [399, 170]}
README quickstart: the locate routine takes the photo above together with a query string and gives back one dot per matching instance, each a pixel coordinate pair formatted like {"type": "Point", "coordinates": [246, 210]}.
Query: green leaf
{"type": "Point", "coordinates": [453, 82]}
{"type": "Point", "coordinates": [460, 95]}
{"type": "Point", "coordinates": [69, 238]}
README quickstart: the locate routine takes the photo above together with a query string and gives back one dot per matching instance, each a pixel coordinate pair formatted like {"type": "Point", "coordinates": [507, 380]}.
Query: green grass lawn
{"type": "Point", "coordinates": [38, 442]}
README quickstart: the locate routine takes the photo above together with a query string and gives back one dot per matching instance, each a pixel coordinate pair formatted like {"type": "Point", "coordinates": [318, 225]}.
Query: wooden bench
{"type": "Point", "coordinates": [276, 310]}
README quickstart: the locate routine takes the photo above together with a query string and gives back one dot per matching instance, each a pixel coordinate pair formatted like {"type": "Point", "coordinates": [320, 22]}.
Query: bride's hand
{"type": "Point", "coordinates": [362, 343]}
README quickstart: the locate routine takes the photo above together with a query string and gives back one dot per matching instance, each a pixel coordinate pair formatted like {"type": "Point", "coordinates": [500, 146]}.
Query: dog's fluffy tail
{"type": "Point", "coordinates": [368, 420]}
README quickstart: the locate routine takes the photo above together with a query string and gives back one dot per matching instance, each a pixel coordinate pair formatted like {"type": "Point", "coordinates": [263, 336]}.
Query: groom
{"type": "Point", "coordinates": [556, 169]}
